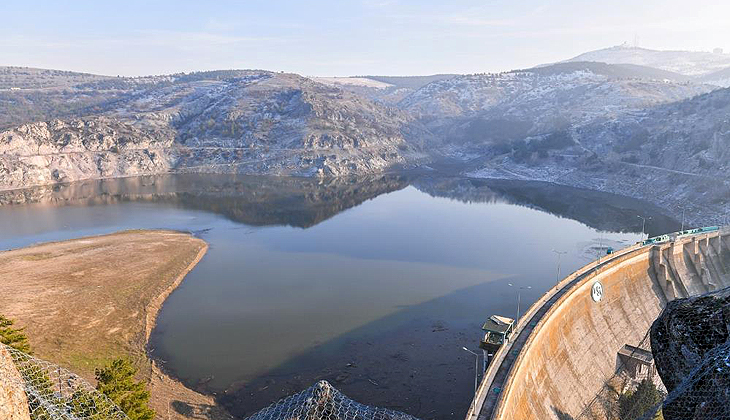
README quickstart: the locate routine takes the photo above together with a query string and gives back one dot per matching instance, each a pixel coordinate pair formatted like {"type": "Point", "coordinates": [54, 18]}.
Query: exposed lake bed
{"type": "Point", "coordinates": [372, 284]}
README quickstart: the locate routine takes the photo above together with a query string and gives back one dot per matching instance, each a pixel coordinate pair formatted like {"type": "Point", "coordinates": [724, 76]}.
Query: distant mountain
{"type": "Point", "coordinates": [489, 108]}
{"type": "Point", "coordinates": [387, 90]}
{"type": "Point", "coordinates": [718, 78]}
{"type": "Point", "coordinates": [689, 63]}
{"type": "Point", "coordinates": [33, 78]}
{"type": "Point", "coordinates": [410, 82]}
{"type": "Point", "coordinates": [611, 71]}
{"type": "Point", "coordinates": [224, 121]}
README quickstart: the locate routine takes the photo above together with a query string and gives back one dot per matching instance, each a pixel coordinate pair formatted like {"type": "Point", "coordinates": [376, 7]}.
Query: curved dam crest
{"type": "Point", "coordinates": [566, 348]}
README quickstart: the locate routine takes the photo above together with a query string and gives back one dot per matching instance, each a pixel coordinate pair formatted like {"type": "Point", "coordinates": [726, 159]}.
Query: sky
{"type": "Point", "coordinates": [341, 37]}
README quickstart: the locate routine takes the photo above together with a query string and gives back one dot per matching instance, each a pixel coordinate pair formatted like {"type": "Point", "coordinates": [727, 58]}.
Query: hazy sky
{"type": "Point", "coordinates": [341, 37]}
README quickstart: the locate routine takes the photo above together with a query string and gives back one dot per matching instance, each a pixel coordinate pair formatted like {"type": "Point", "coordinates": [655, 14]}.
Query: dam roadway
{"type": "Point", "coordinates": [547, 369]}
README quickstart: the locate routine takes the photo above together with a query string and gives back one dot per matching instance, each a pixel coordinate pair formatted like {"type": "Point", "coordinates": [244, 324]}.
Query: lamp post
{"type": "Point", "coordinates": [643, 224]}
{"type": "Point", "coordinates": [560, 254]}
{"type": "Point", "coordinates": [683, 209]}
{"type": "Point", "coordinates": [476, 369]}
{"type": "Point", "coordinates": [519, 291]}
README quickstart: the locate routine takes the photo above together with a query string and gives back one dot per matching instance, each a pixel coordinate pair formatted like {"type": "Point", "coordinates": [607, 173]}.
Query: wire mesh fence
{"type": "Point", "coordinates": [322, 401]}
{"type": "Point", "coordinates": [31, 388]}
{"type": "Point", "coordinates": [38, 390]}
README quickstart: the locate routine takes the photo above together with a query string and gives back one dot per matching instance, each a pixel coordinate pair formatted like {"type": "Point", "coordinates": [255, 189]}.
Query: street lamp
{"type": "Point", "coordinates": [643, 224]}
{"type": "Point", "coordinates": [476, 368]}
{"type": "Point", "coordinates": [683, 209]}
{"type": "Point", "coordinates": [519, 290]}
{"type": "Point", "coordinates": [560, 254]}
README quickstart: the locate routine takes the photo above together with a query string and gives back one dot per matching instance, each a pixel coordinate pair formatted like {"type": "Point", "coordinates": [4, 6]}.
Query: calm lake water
{"type": "Point", "coordinates": [372, 284]}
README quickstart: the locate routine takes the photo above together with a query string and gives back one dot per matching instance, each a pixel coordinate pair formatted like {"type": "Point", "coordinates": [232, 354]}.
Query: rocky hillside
{"type": "Point", "coordinates": [674, 155]}
{"type": "Point", "coordinates": [231, 121]}
{"type": "Point", "coordinates": [495, 108]}
{"type": "Point", "coordinates": [689, 136]}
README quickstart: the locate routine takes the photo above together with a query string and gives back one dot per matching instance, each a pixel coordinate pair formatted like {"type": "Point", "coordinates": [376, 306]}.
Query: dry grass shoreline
{"type": "Point", "coordinates": [84, 301]}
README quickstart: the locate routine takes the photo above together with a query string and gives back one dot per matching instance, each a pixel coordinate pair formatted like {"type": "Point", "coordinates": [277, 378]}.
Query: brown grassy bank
{"type": "Point", "coordinates": [85, 301]}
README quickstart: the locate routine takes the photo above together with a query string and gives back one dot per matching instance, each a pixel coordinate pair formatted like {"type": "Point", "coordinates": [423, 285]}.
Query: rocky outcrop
{"type": "Point", "coordinates": [63, 151]}
{"type": "Point", "coordinates": [690, 342]}
{"type": "Point", "coordinates": [252, 122]}
{"type": "Point", "coordinates": [13, 401]}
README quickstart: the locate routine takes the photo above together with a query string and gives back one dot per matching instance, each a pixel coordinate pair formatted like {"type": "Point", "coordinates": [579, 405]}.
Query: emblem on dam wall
{"type": "Point", "coordinates": [597, 291]}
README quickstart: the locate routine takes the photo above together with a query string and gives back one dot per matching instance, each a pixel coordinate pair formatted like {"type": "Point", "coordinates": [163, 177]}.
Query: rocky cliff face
{"type": "Point", "coordinates": [690, 342]}
{"type": "Point", "coordinates": [64, 151]}
{"type": "Point", "coordinates": [239, 121]}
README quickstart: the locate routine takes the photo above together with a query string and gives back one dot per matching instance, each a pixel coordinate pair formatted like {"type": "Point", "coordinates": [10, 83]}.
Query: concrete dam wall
{"type": "Point", "coordinates": [566, 346]}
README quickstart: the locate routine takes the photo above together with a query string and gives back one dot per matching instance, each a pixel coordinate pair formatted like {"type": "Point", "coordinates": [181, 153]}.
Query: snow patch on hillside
{"type": "Point", "coordinates": [690, 63]}
{"type": "Point", "coordinates": [351, 81]}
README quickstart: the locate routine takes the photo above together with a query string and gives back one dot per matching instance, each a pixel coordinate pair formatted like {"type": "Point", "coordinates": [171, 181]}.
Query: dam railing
{"type": "Point", "coordinates": [492, 388]}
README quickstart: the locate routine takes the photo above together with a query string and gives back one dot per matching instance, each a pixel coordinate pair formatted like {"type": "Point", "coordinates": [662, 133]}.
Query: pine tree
{"type": "Point", "coordinates": [633, 405]}
{"type": "Point", "coordinates": [13, 337]}
{"type": "Point", "coordinates": [117, 382]}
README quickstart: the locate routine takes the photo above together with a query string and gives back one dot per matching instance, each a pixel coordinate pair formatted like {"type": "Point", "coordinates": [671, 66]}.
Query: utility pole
{"type": "Point", "coordinates": [560, 254]}
{"type": "Point", "coordinates": [476, 369]}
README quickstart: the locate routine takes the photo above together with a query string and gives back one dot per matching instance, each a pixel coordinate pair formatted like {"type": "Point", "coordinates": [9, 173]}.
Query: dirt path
{"type": "Point", "coordinates": [85, 301]}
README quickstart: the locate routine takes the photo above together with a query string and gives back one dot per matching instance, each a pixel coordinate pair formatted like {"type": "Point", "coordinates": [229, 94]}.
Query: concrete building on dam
{"type": "Point", "coordinates": [593, 326]}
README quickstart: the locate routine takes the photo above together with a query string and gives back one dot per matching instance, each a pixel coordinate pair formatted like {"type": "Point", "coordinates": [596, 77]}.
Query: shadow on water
{"type": "Point", "coordinates": [410, 361]}
{"type": "Point", "coordinates": [599, 210]}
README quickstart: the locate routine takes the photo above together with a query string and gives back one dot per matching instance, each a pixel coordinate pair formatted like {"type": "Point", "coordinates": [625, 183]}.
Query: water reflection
{"type": "Point", "coordinates": [256, 201]}
{"type": "Point", "coordinates": [305, 202]}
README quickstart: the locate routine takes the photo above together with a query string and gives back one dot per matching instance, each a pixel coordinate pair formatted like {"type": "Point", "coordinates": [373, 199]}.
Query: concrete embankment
{"type": "Point", "coordinates": [566, 347]}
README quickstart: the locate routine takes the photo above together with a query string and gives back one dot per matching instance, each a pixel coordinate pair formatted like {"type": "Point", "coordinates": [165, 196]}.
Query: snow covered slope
{"type": "Point", "coordinates": [690, 63]}
{"type": "Point", "coordinates": [498, 107]}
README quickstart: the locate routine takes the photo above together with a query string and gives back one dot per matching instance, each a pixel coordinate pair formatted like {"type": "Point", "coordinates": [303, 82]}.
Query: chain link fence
{"type": "Point", "coordinates": [34, 389]}
{"type": "Point", "coordinates": [322, 401]}
{"type": "Point", "coordinates": [38, 390]}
